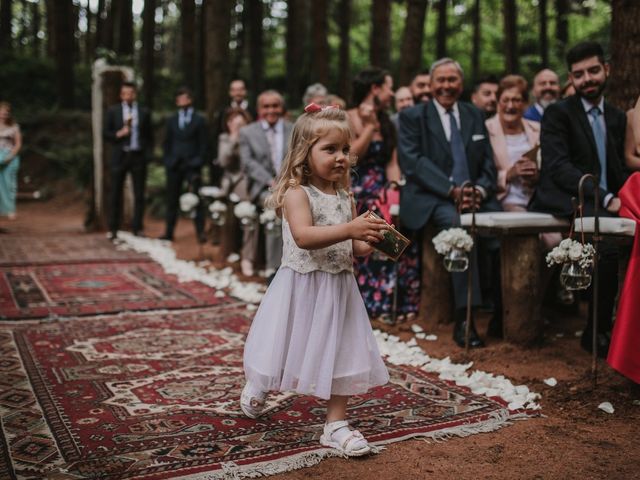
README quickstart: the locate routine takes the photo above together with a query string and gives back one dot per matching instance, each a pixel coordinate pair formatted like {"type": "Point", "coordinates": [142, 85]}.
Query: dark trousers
{"type": "Point", "coordinates": [446, 216]}
{"type": "Point", "coordinates": [135, 163]}
{"type": "Point", "coordinates": [607, 287]}
{"type": "Point", "coordinates": [175, 178]}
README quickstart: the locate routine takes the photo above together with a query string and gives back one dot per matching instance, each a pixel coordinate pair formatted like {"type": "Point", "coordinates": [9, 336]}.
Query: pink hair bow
{"type": "Point", "coordinates": [314, 107]}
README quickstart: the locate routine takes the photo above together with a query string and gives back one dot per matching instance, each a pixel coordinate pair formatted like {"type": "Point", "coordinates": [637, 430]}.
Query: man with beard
{"type": "Point", "coordinates": [421, 87]}
{"type": "Point", "coordinates": [441, 145]}
{"type": "Point", "coordinates": [584, 134]}
{"type": "Point", "coordinates": [546, 90]}
{"type": "Point", "coordinates": [484, 95]}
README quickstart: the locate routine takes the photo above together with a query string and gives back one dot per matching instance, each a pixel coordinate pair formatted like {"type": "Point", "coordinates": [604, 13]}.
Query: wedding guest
{"type": "Point", "coordinates": [128, 127]}
{"type": "Point", "coordinates": [233, 179]}
{"type": "Point", "coordinates": [374, 144]}
{"type": "Point", "coordinates": [483, 95]}
{"type": "Point", "coordinates": [443, 144]}
{"type": "Point", "coordinates": [263, 145]}
{"type": "Point", "coordinates": [421, 87]}
{"type": "Point", "coordinates": [632, 143]}
{"type": "Point", "coordinates": [333, 99]}
{"type": "Point", "coordinates": [546, 90]}
{"type": "Point", "coordinates": [403, 99]}
{"type": "Point", "coordinates": [316, 93]}
{"type": "Point", "coordinates": [511, 137]}
{"type": "Point", "coordinates": [585, 134]}
{"type": "Point", "coordinates": [10, 145]}
{"type": "Point", "coordinates": [185, 148]}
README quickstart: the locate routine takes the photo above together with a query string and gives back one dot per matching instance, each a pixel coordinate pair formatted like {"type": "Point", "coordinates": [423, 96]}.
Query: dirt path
{"type": "Point", "coordinates": [573, 440]}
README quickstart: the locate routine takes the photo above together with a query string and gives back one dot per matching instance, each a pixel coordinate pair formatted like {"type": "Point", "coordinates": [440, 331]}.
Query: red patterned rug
{"type": "Point", "coordinates": [95, 288]}
{"type": "Point", "coordinates": [155, 395]}
{"type": "Point", "coordinates": [58, 248]}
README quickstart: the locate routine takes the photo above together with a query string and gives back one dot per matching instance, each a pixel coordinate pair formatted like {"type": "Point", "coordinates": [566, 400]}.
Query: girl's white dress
{"type": "Point", "coordinates": [311, 333]}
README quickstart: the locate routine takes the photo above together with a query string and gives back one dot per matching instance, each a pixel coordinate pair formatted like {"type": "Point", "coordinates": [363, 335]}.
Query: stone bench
{"type": "Point", "coordinates": [520, 264]}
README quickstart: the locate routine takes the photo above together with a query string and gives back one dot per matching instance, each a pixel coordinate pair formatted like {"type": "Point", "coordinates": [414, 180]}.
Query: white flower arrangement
{"type": "Point", "coordinates": [270, 219]}
{"type": "Point", "coordinates": [218, 207]}
{"type": "Point", "coordinates": [234, 197]}
{"type": "Point", "coordinates": [188, 201]}
{"type": "Point", "coordinates": [245, 210]}
{"type": "Point", "coordinates": [572, 251]}
{"type": "Point", "coordinates": [452, 238]}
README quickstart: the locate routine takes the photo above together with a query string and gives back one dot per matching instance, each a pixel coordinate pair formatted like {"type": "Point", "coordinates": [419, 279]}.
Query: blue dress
{"type": "Point", "coordinates": [8, 171]}
{"type": "Point", "coordinates": [375, 274]}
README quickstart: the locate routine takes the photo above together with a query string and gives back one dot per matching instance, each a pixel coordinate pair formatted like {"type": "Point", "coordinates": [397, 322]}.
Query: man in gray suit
{"type": "Point", "coordinates": [263, 145]}
{"type": "Point", "coordinates": [441, 145]}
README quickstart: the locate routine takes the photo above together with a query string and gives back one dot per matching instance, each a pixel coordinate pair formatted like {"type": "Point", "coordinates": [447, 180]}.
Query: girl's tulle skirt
{"type": "Point", "coordinates": [311, 334]}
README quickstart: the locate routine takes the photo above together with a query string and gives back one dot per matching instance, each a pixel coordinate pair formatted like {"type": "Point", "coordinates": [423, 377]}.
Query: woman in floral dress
{"type": "Point", "coordinates": [374, 144]}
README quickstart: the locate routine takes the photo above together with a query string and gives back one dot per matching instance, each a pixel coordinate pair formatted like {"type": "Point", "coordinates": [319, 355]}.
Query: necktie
{"type": "Point", "coordinates": [460, 172]}
{"type": "Point", "coordinates": [598, 135]}
{"type": "Point", "coordinates": [182, 119]}
{"type": "Point", "coordinates": [271, 138]}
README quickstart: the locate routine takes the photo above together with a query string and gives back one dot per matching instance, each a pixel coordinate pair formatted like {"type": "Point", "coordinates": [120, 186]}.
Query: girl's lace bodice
{"type": "Point", "coordinates": [325, 210]}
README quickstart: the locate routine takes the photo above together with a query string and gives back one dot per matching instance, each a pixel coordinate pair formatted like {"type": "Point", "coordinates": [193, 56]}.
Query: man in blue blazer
{"type": "Point", "coordinates": [185, 148]}
{"type": "Point", "coordinates": [442, 144]}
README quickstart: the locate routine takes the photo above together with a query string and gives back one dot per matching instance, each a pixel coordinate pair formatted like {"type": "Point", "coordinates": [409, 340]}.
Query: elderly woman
{"type": "Point", "coordinates": [512, 136]}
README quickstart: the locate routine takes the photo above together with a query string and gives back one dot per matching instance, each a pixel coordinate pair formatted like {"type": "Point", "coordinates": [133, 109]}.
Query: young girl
{"type": "Point", "coordinates": [311, 333]}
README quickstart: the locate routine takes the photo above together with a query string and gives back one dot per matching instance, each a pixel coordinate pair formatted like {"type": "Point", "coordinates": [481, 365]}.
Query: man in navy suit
{"type": "Point", "coordinates": [585, 134]}
{"type": "Point", "coordinates": [546, 91]}
{"type": "Point", "coordinates": [441, 145]}
{"type": "Point", "coordinates": [185, 148]}
{"type": "Point", "coordinates": [128, 128]}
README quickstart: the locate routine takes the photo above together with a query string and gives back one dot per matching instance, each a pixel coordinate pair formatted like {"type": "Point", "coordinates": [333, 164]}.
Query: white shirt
{"type": "Point", "coordinates": [517, 146]}
{"type": "Point", "coordinates": [444, 118]}
{"type": "Point", "coordinates": [278, 128]}
{"type": "Point", "coordinates": [132, 113]}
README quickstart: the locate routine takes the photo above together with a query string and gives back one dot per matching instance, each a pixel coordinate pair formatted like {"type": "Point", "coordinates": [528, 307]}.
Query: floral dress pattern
{"type": "Point", "coordinates": [377, 276]}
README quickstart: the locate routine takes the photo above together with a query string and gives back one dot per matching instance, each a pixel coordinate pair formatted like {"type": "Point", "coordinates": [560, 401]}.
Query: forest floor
{"type": "Point", "coordinates": [573, 439]}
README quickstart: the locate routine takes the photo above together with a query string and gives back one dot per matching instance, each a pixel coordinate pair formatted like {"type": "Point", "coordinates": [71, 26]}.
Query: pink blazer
{"type": "Point", "coordinates": [499, 146]}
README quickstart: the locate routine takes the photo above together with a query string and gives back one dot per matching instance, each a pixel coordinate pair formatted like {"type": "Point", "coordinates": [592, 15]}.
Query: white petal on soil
{"type": "Point", "coordinates": [416, 328]}
{"type": "Point", "coordinates": [552, 382]}
{"type": "Point", "coordinates": [606, 407]}
{"type": "Point", "coordinates": [431, 338]}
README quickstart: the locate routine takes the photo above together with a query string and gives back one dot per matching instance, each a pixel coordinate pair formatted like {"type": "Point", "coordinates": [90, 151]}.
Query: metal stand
{"type": "Point", "coordinates": [596, 241]}
{"type": "Point", "coordinates": [472, 232]}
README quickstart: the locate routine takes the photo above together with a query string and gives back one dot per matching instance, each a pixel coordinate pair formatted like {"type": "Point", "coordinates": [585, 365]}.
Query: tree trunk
{"type": "Point", "coordinates": [100, 21]}
{"type": "Point", "coordinates": [441, 36]}
{"type": "Point", "coordinates": [380, 53]}
{"type": "Point", "coordinates": [125, 28]}
{"type": "Point", "coordinates": [510, 36]}
{"type": "Point", "coordinates": [562, 27]}
{"type": "Point", "coordinates": [241, 48]}
{"type": "Point", "coordinates": [188, 32]}
{"type": "Point", "coordinates": [5, 24]}
{"type": "Point", "coordinates": [51, 31]}
{"type": "Point", "coordinates": [36, 21]}
{"type": "Point", "coordinates": [148, 52]}
{"type": "Point", "coordinates": [75, 28]}
{"type": "Point", "coordinates": [475, 48]}
{"type": "Point", "coordinates": [88, 37]}
{"type": "Point", "coordinates": [200, 83]}
{"type": "Point", "coordinates": [256, 61]}
{"type": "Point", "coordinates": [111, 15]}
{"type": "Point", "coordinates": [24, 25]}
{"type": "Point", "coordinates": [218, 26]}
{"type": "Point", "coordinates": [544, 36]}
{"type": "Point", "coordinates": [411, 48]}
{"type": "Point", "coordinates": [320, 45]}
{"type": "Point", "coordinates": [624, 85]}
{"type": "Point", "coordinates": [63, 35]}
{"type": "Point", "coordinates": [344, 57]}
{"type": "Point", "coordinates": [295, 47]}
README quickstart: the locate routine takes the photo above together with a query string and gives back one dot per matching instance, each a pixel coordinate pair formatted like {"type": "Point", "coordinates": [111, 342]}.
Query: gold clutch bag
{"type": "Point", "coordinates": [393, 243]}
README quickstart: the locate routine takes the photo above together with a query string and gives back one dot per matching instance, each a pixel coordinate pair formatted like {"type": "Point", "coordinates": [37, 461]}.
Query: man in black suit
{"type": "Point", "coordinates": [128, 127]}
{"type": "Point", "coordinates": [442, 144]}
{"type": "Point", "coordinates": [584, 134]}
{"type": "Point", "coordinates": [185, 147]}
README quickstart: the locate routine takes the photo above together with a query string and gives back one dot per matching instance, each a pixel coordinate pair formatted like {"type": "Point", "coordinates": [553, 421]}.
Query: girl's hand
{"type": "Point", "coordinates": [367, 114]}
{"type": "Point", "coordinates": [367, 228]}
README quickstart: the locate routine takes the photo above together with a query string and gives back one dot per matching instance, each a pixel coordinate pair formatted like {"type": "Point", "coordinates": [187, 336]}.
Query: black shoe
{"type": "Point", "coordinates": [112, 236]}
{"type": "Point", "coordinates": [459, 333]}
{"type": "Point", "coordinates": [494, 329]}
{"type": "Point", "coordinates": [166, 237]}
{"type": "Point", "coordinates": [602, 343]}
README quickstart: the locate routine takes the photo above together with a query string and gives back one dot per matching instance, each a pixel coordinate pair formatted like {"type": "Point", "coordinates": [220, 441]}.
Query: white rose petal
{"type": "Point", "coordinates": [552, 382]}
{"type": "Point", "coordinates": [606, 407]}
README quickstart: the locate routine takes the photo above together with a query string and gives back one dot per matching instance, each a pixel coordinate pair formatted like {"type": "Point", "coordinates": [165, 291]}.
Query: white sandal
{"type": "Point", "coordinates": [348, 442]}
{"type": "Point", "coordinates": [252, 401]}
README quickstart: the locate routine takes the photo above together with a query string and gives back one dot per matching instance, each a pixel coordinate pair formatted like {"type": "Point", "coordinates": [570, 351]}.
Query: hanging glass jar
{"type": "Point", "coordinates": [456, 260]}
{"type": "Point", "coordinates": [573, 276]}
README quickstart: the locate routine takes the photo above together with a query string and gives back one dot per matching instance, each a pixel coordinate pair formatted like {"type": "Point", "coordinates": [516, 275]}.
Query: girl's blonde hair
{"type": "Point", "coordinates": [308, 129]}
